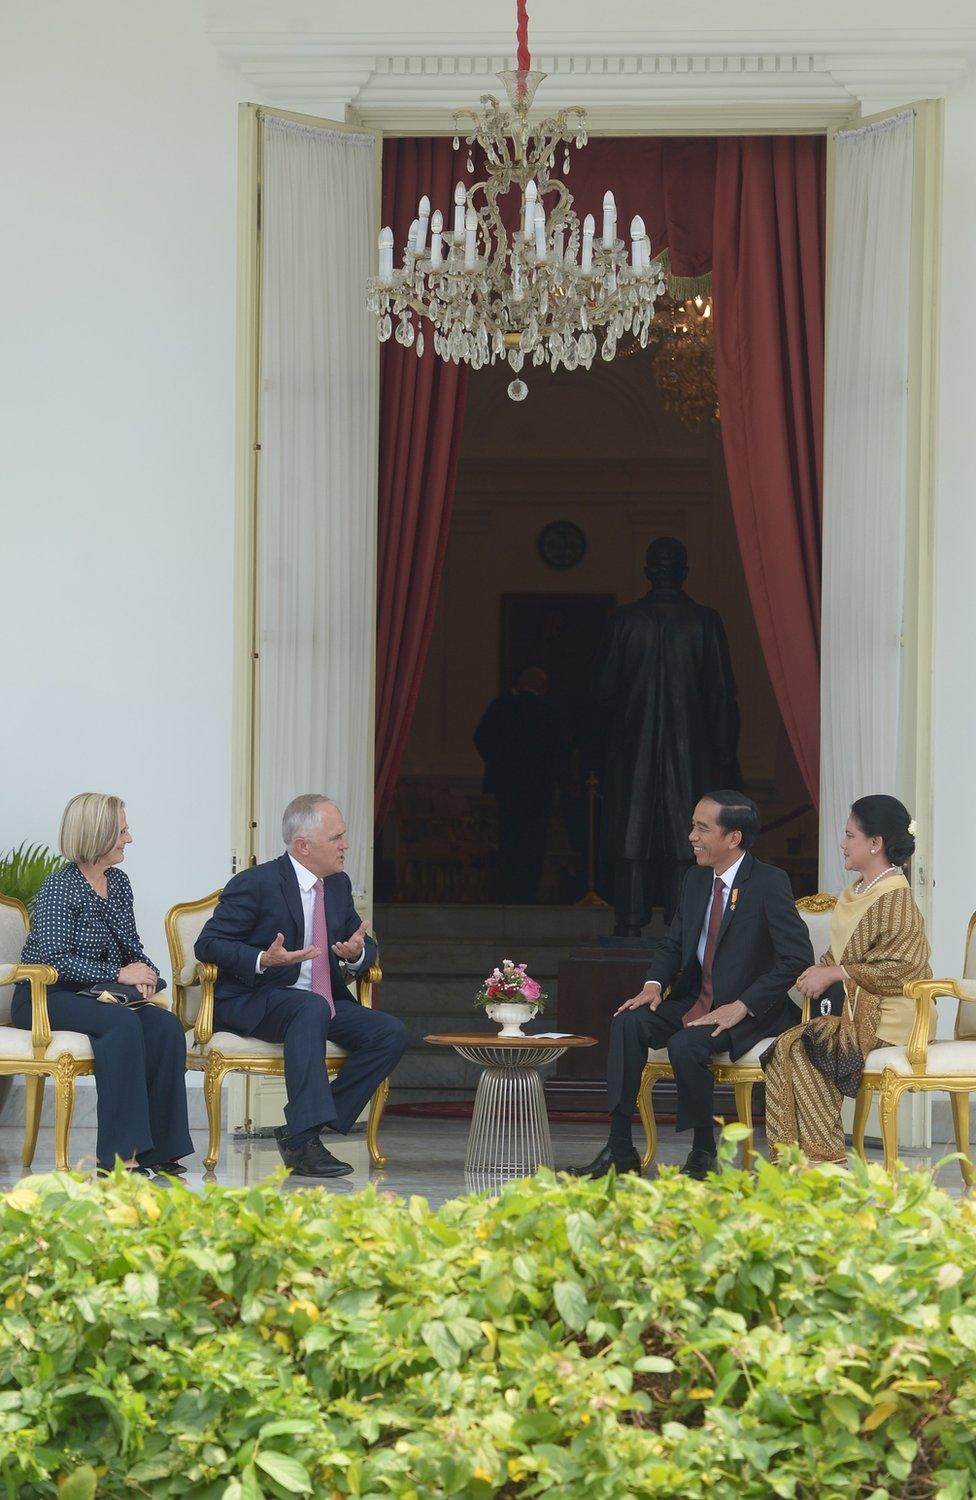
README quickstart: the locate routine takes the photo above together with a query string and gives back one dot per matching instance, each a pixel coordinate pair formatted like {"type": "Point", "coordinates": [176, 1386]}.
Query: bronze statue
{"type": "Point", "coordinates": [665, 675]}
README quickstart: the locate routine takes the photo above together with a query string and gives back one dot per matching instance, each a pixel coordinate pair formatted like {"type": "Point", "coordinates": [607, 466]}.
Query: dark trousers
{"type": "Point", "coordinates": [140, 1073]}
{"type": "Point", "coordinates": [689, 1048]}
{"type": "Point", "coordinates": [299, 1019]}
{"type": "Point", "coordinates": [523, 830]}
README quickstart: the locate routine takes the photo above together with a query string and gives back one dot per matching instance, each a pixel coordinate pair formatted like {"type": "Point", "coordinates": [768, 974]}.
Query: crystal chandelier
{"type": "Point", "coordinates": [544, 291]}
{"type": "Point", "coordinates": [683, 359]}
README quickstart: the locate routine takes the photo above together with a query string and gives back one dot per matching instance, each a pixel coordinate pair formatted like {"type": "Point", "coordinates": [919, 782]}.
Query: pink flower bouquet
{"type": "Point", "coordinates": [511, 983]}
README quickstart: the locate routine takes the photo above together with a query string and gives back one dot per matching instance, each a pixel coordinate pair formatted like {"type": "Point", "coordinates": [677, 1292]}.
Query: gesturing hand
{"type": "Point", "coordinates": [650, 995]}
{"type": "Point", "coordinates": [353, 946]}
{"type": "Point", "coordinates": [279, 957]}
{"type": "Point", "coordinates": [723, 1017]}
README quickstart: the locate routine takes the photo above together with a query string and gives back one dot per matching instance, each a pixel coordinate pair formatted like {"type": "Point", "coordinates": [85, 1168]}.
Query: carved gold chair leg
{"type": "Point", "coordinates": [376, 1108]}
{"type": "Point", "coordinates": [960, 1120]}
{"type": "Point", "coordinates": [64, 1104]}
{"type": "Point", "coordinates": [213, 1079]}
{"type": "Point", "coordinates": [888, 1111]}
{"type": "Point", "coordinates": [862, 1108]}
{"type": "Point", "coordinates": [35, 1103]}
{"type": "Point", "coordinates": [645, 1108]}
{"type": "Point", "coordinates": [743, 1108]}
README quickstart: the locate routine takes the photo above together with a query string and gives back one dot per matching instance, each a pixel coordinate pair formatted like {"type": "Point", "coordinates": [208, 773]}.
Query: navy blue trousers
{"type": "Point", "coordinates": [300, 1020]}
{"type": "Point", "coordinates": [140, 1073]}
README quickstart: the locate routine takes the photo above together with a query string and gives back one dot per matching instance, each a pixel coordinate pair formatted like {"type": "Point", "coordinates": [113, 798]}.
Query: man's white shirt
{"type": "Point", "coordinates": [727, 878]}
{"type": "Point", "coordinates": [306, 888]}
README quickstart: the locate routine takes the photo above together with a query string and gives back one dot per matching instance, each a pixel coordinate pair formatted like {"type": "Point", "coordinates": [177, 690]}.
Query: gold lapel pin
{"type": "Point", "coordinates": [733, 898]}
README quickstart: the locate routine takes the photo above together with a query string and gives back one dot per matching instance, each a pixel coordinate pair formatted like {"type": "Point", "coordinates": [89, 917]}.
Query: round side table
{"type": "Point", "coordinates": [509, 1134]}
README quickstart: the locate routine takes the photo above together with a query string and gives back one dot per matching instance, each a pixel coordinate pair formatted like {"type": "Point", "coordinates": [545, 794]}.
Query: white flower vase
{"type": "Point", "coordinates": [511, 1015]}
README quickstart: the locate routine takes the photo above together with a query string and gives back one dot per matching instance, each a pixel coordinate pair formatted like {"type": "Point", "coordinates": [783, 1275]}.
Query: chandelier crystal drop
{"type": "Point", "coordinates": [541, 293]}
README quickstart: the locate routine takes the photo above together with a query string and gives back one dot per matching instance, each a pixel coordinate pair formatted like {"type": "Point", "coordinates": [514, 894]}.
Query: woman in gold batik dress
{"type": "Point", "coordinates": [877, 944]}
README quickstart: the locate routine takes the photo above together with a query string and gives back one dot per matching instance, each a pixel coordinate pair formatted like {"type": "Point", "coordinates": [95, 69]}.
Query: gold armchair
{"type": "Point", "coordinates": [41, 1052]}
{"type": "Point", "coordinates": [745, 1072]}
{"type": "Point", "coordinates": [926, 1067]}
{"type": "Point", "coordinates": [217, 1053]}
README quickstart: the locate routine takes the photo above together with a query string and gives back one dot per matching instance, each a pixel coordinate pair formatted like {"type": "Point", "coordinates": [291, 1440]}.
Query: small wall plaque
{"type": "Point", "coordinates": [562, 544]}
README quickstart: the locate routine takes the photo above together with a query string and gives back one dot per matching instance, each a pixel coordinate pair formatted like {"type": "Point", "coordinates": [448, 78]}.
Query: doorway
{"type": "Point", "coordinates": [557, 498]}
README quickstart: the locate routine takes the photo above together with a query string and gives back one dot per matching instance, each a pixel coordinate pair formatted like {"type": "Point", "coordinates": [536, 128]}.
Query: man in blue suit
{"type": "Point", "coordinates": [281, 937]}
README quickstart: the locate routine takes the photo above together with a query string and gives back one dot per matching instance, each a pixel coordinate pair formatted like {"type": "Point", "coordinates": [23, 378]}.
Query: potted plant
{"type": "Point", "coordinates": [510, 997]}
{"type": "Point", "coordinates": [23, 871]}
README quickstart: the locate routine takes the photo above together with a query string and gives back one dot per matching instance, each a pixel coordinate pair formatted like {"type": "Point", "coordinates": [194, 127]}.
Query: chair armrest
{"type": "Point", "coordinates": [364, 985]}
{"type": "Point", "coordinates": [924, 992]}
{"type": "Point", "coordinates": [39, 977]}
{"type": "Point", "coordinates": [203, 1029]}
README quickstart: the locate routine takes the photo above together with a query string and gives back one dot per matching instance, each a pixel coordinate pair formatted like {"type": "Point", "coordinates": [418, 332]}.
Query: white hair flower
{"type": "Point", "coordinates": [913, 828]}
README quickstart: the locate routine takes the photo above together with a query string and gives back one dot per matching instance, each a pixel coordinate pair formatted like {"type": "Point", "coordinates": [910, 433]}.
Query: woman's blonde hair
{"type": "Point", "coordinates": [90, 826]}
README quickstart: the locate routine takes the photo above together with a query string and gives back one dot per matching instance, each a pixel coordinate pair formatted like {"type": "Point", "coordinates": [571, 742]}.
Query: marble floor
{"type": "Point", "coordinates": [424, 1156]}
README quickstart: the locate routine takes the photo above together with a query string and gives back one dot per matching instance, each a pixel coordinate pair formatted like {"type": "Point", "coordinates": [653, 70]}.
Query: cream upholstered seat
{"type": "Point", "coordinates": [924, 1066]}
{"type": "Point", "coordinates": [745, 1072]}
{"type": "Point", "coordinates": [217, 1053]}
{"type": "Point", "coordinates": [39, 1053]}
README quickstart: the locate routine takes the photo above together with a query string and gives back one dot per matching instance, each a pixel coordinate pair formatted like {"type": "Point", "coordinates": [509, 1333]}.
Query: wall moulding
{"type": "Point", "coordinates": [411, 84]}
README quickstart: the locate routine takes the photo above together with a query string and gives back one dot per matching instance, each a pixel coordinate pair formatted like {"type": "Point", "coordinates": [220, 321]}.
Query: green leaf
{"type": "Point", "coordinates": [654, 1364]}
{"type": "Point", "coordinates": [571, 1304]}
{"type": "Point", "coordinates": [963, 1326]}
{"type": "Point", "coordinates": [81, 1485]}
{"type": "Point", "coordinates": [286, 1471]}
{"type": "Point", "coordinates": [438, 1340]}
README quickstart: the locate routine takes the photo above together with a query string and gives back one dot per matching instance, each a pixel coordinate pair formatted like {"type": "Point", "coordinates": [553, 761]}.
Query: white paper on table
{"type": "Point", "coordinates": [553, 1036]}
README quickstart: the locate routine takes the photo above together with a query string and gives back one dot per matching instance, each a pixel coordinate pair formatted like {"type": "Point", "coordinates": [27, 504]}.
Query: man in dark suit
{"type": "Point", "coordinates": [281, 936]}
{"type": "Point", "coordinates": [734, 949]}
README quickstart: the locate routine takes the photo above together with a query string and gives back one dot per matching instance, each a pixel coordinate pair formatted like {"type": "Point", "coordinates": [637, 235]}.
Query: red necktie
{"type": "Point", "coordinates": [703, 1004]}
{"type": "Point", "coordinates": [321, 969]}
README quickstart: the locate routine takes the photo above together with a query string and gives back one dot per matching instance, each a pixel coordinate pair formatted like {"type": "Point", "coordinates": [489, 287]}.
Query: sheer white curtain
{"type": "Point", "coordinates": [865, 453]}
{"type": "Point", "coordinates": [317, 479]}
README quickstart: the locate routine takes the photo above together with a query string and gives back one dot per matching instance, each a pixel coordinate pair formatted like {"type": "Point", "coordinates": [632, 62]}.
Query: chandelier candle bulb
{"type": "Point", "coordinates": [436, 238]}
{"type": "Point", "coordinates": [531, 200]}
{"type": "Point", "coordinates": [386, 255]}
{"type": "Point", "coordinates": [470, 239]}
{"type": "Point", "coordinates": [609, 221]}
{"type": "Point", "coordinates": [637, 244]}
{"type": "Point", "coordinates": [586, 254]}
{"type": "Point", "coordinates": [422, 222]}
{"type": "Point", "coordinates": [540, 231]}
{"type": "Point", "coordinates": [460, 198]}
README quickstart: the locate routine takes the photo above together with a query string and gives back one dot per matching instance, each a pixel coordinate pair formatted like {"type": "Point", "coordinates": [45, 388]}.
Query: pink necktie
{"type": "Point", "coordinates": [321, 971]}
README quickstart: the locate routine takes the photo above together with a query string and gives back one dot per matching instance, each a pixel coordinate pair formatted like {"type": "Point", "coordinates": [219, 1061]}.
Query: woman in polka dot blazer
{"type": "Point", "coordinates": [83, 925]}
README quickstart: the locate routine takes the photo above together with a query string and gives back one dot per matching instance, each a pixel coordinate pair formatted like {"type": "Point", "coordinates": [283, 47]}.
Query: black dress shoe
{"type": "Point", "coordinates": [312, 1159]}
{"type": "Point", "coordinates": [601, 1164]}
{"type": "Point", "coordinates": [699, 1164]}
{"type": "Point", "coordinates": [168, 1168]}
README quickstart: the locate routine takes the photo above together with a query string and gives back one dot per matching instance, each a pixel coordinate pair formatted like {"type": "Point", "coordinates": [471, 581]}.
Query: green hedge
{"type": "Point", "coordinates": [807, 1334]}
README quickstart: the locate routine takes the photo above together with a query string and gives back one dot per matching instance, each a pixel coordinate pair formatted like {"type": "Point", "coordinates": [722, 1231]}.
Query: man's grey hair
{"type": "Point", "coordinates": [301, 816]}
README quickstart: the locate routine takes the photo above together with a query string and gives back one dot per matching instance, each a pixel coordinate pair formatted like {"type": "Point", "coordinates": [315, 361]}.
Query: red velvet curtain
{"type": "Point", "coordinates": [768, 285]}
{"type": "Point", "coordinates": [749, 209]}
{"type": "Point", "coordinates": [421, 421]}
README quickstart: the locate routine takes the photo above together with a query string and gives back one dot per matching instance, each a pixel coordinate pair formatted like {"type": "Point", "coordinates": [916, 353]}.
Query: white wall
{"type": "Point", "coordinates": [955, 625]}
{"type": "Point", "coordinates": [117, 267]}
